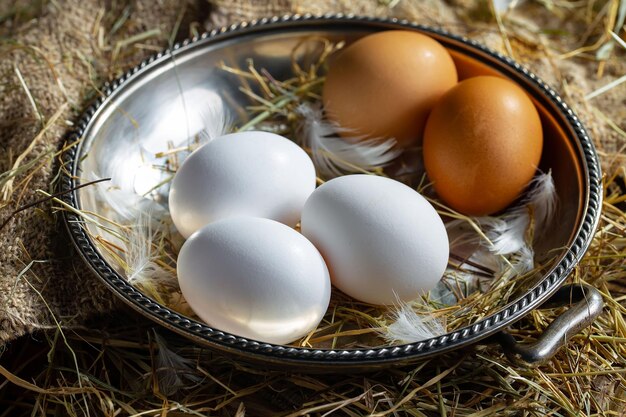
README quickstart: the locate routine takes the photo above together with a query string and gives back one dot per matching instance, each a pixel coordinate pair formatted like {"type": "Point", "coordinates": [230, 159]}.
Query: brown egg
{"type": "Point", "coordinates": [482, 144]}
{"type": "Point", "coordinates": [385, 84]}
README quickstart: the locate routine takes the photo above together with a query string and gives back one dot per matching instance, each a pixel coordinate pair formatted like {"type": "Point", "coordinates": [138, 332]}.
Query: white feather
{"type": "Point", "coordinates": [466, 243]}
{"type": "Point", "coordinates": [461, 234]}
{"type": "Point", "coordinates": [543, 199]}
{"type": "Point", "coordinates": [408, 326]}
{"type": "Point", "coordinates": [140, 258]}
{"type": "Point", "coordinates": [510, 250]}
{"type": "Point", "coordinates": [511, 233]}
{"type": "Point", "coordinates": [141, 267]}
{"type": "Point", "coordinates": [217, 121]}
{"type": "Point", "coordinates": [131, 176]}
{"type": "Point", "coordinates": [334, 155]}
{"type": "Point", "coordinates": [124, 206]}
{"type": "Point", "coordinates": [189, 121]}
{"type": "Point", "coordinates": [523, 260]}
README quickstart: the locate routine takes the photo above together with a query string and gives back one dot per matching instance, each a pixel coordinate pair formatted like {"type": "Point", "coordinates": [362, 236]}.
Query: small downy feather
{"type": "Point", "coordinates": [217, 121]}
{"type": "Point", "coordinates": [511, 234]}
{"type": "Point", "coordinates": [197, 114]}
{"type": "Point", "coordinates": [124, 206]}
{"type": "Point", "coordinates": [333, 155]}
{"type": "Point", "coordinates": [543, 199]}
{"type": "Point", "coordinates": [172, 370]}
{"type": "Point", "coordinates": [523, 260]}
{"type": "Point", "coordinates": [510, 251]}
{"type": "Point", "coordinates": [141, 266]}
{"type": "Point", "coordinates": [408, 326]}
{"type": "Point", "coordinates": [461, 277]}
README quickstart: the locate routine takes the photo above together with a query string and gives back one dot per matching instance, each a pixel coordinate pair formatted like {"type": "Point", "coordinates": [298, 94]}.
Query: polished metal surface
{"type": "Point", "coordinates": [586, 305]}
{"type": "Point", "coordinates": [162, 102]}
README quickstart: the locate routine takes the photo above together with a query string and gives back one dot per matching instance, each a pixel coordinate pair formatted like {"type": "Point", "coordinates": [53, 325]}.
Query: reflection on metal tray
{"type": "Point", "coordinates": [147, 107]}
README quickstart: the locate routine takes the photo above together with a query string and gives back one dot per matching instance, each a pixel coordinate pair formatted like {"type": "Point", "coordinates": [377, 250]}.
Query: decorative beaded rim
{"type": "Point", "coordinates": [336, 357]}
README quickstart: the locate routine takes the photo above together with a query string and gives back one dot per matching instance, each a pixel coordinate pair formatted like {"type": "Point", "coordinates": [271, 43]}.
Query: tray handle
{"type": "Point", "coordinates": [585, 306]}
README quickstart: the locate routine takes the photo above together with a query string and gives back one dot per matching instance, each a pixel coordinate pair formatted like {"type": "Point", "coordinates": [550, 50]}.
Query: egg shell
{"type": "Point", "coordinates": [255, 278]}
{"type": "Point", "coordinates": [382, 241]}
{"type": "Point", "coordinates": [482, 145]}
{"type": "Point", "coordinates": [256, 174]}
{"type": "Point", "coordinates": [385, 84]}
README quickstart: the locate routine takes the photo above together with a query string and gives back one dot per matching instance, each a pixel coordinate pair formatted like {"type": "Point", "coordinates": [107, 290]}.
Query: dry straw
{"type": "Point", "coordinates": [125, 367]}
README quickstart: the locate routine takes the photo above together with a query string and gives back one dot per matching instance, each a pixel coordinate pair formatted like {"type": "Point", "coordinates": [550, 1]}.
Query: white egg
{"type": "Point", "coordinates": [256, 174]}
{"type": "Point", "coordinates": [255, 278]}
{"type": "Point", "coordinates": [382, 241]}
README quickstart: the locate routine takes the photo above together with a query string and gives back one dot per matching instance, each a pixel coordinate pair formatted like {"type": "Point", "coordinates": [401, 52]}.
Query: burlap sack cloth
{"type": "Point", "coordinates": [54, 65]}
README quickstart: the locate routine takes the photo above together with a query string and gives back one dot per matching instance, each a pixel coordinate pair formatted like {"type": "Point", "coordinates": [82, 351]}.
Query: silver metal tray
{"type": "Point", "coordinates": [149, 96]}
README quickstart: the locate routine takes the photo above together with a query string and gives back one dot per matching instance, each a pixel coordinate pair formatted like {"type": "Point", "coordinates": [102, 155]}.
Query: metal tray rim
{"type": "Point", "coordinates": [287, 354]}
